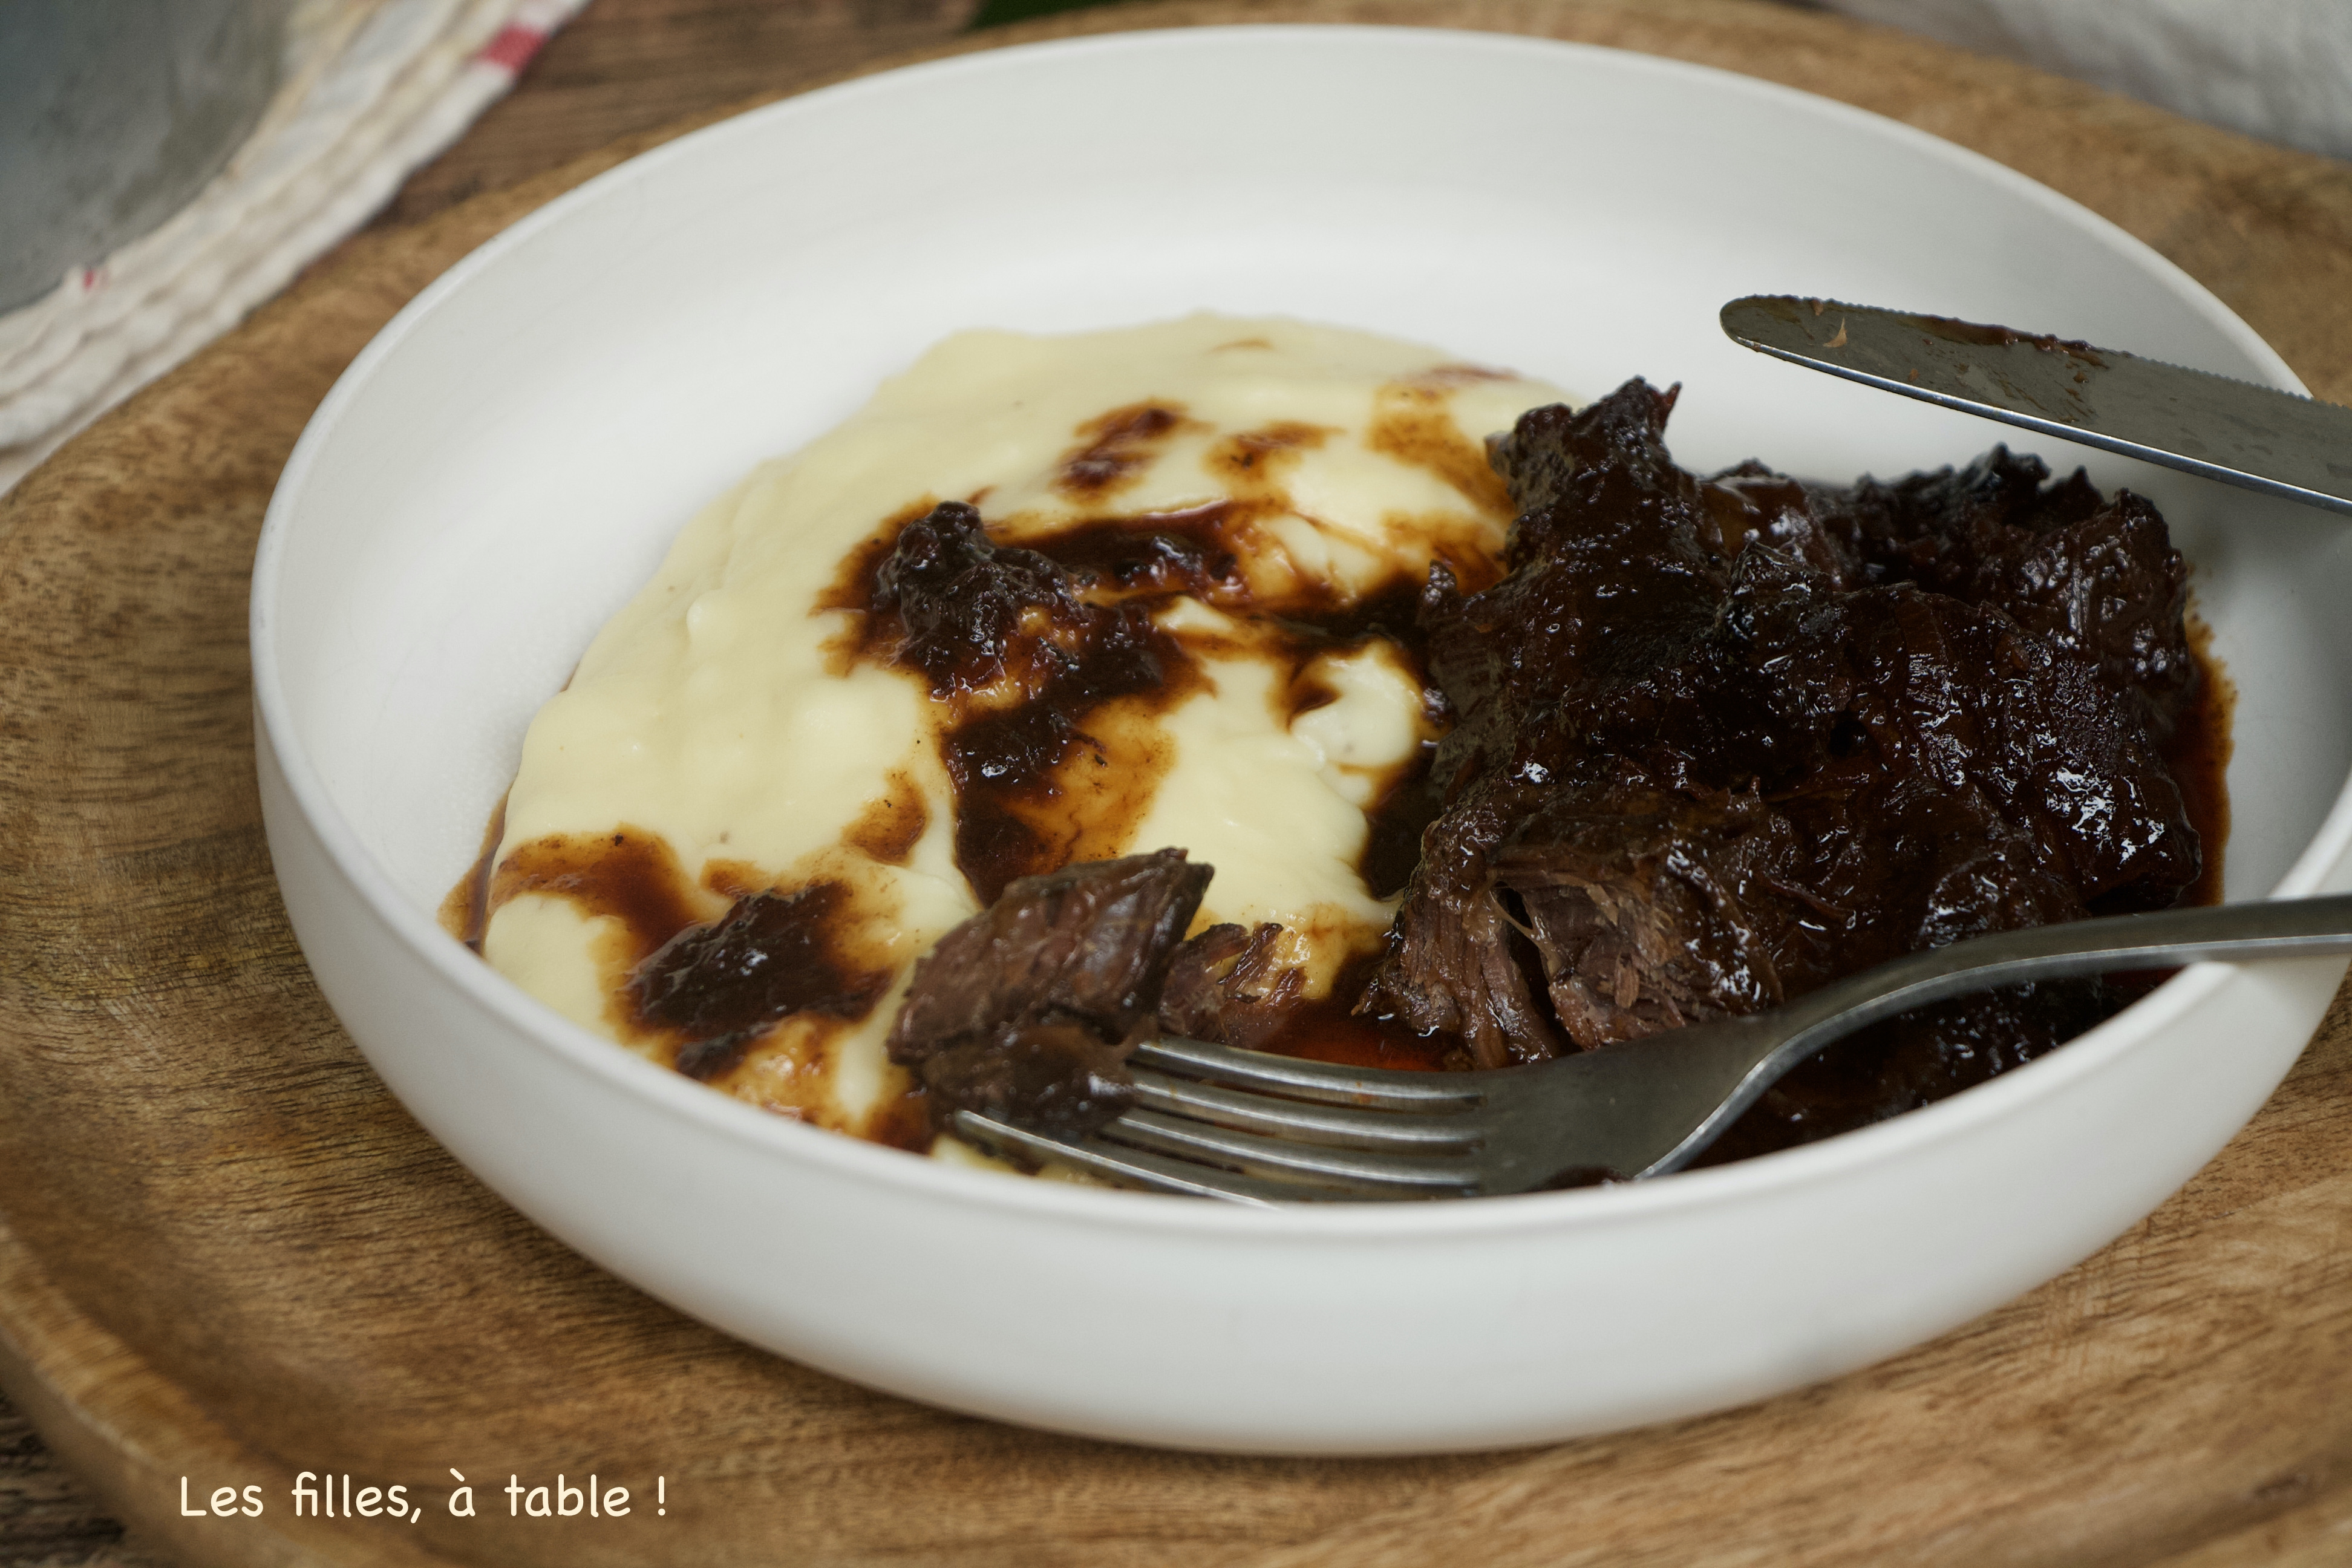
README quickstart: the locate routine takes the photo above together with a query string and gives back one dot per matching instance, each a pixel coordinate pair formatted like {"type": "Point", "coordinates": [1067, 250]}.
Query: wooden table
{"type": "Point", "coordinates": [2267, 1230]}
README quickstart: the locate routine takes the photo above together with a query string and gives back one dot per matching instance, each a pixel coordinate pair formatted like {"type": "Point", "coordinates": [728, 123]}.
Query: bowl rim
{"type": "Point", "coordinates": [583, 1053]}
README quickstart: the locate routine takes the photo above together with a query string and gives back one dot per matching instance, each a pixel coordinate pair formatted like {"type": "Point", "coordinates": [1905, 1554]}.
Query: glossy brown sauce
{"type": "Point", "coordinates": [1977, 333]}
{"type": "Point", "coordinates": [1191, 551]}
{"type": "Point", "coordinates": [732, 880]}
{"type": "Point", "coordinates": [1062, 777]}
{"type": "Point", "coordinates": [1393, 826]}
{"type": "Point", "coordinates": [887, 830]}
{"type": "Point", "coordinates": [902, 1121]}
{"type": "Point", "coordinates": [2199, 755]}
{"type": "Point", "coordinates": [1119, 445]}
{"type": "Point", "coordinates": [1328, 1029]}
{"type": "Point", "coordinates": [630, 875]}
{"type": "Point", "coordinates": [1251, 462]}
{"type": "Point", "coordinates": [465, 911]}
{"type": "Point", "coordinates": [1413, 423]}
{"type": "Point", "coordinates": [774, 954]}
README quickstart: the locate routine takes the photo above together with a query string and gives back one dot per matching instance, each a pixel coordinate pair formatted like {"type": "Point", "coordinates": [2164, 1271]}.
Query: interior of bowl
{"type": "Point", "coordinates": [507, 463]}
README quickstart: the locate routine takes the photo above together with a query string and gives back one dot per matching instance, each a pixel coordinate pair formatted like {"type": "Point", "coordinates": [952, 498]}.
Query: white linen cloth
{"type": "Point", "coordinates": [372, 89]}
{"type": "Point", "coordinates": [2280, 69]}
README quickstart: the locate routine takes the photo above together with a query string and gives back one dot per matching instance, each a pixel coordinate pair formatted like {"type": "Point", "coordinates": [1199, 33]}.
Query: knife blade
{"type": "Point", "coordinates": [2210, 425]}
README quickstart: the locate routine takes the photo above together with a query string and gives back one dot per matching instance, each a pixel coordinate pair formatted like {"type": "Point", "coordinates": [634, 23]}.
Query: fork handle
{"type": "Point", "coordinates": [2280, 928]}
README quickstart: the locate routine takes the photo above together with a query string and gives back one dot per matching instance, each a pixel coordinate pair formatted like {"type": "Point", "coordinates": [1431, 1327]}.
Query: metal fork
{"type": "Point", "coordinates": [1254, 1127]}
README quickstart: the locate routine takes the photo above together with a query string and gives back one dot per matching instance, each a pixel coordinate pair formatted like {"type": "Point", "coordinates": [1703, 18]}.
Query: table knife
{"type": "Point", "coordinates": [2210, 425]}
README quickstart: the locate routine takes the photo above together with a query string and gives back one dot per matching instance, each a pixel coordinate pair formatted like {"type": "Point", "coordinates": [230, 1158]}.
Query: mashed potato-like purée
{"type": "Point", "coordinates": [722, 735]}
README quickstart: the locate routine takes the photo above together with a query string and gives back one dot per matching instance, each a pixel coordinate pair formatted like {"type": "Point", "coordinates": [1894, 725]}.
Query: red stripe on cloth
{"type": "Point", "coordinates": [513, 47]}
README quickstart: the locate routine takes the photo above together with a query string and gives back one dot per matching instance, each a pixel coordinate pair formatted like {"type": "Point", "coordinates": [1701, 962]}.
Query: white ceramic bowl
{"type": "Point", "coordinates": [503, 466]}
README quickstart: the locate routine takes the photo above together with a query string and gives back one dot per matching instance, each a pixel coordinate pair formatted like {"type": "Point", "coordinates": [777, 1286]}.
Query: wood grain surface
{"type": "Point", "coordinates": [229, 1255]}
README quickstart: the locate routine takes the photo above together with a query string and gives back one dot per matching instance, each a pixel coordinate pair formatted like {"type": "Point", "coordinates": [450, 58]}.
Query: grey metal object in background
{"type": "Point", "coordinates": [113, 113]}
{"type": "Point", "coordinates": [2213, 426]}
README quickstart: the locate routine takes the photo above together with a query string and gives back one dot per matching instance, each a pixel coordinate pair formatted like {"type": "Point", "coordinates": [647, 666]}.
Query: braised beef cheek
{"type": "Point", "coordinates": [1722, 740]}
{"type": "Point", "coordinates": [1027, 1011]}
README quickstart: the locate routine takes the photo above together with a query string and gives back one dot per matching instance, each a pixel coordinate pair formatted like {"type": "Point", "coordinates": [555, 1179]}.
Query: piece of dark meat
{"type": "Point", "coordinates": [1722, 741]}
{"type": "Point", "coordinates": [1027, 1011]}
{"type": "Point", "coordinates": [957, 607]}
{"type": "Point", "coordinates": [1583, 606]}
{"type": "Point", "coordinates": [2094, 576]}
{"type": "Point", "coordinates": [1228, 985]}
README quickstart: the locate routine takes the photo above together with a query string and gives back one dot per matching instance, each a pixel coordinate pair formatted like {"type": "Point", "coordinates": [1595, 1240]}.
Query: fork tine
{"type": "Point", "coordinates": [1397, 1132]}
{"type": "Point", "coordinates": [1132, 1167]}
{"type": "Point", "coordinates": [1380, 1089]}
{"type": "Point", "coordinates": [1366, 1173]}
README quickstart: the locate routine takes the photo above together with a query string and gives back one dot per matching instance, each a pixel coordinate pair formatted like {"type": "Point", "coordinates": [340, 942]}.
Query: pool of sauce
{"type": "Point", "coordinates": [2199, 755]}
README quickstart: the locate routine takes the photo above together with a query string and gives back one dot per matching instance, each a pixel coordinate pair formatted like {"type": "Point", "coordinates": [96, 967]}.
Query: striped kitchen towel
{"type": "Point", "coordinates": [372, 89]}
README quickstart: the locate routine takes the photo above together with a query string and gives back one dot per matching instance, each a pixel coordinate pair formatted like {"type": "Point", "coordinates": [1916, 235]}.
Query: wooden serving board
{"type": "Point", "coordinates": [228, 1255]}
